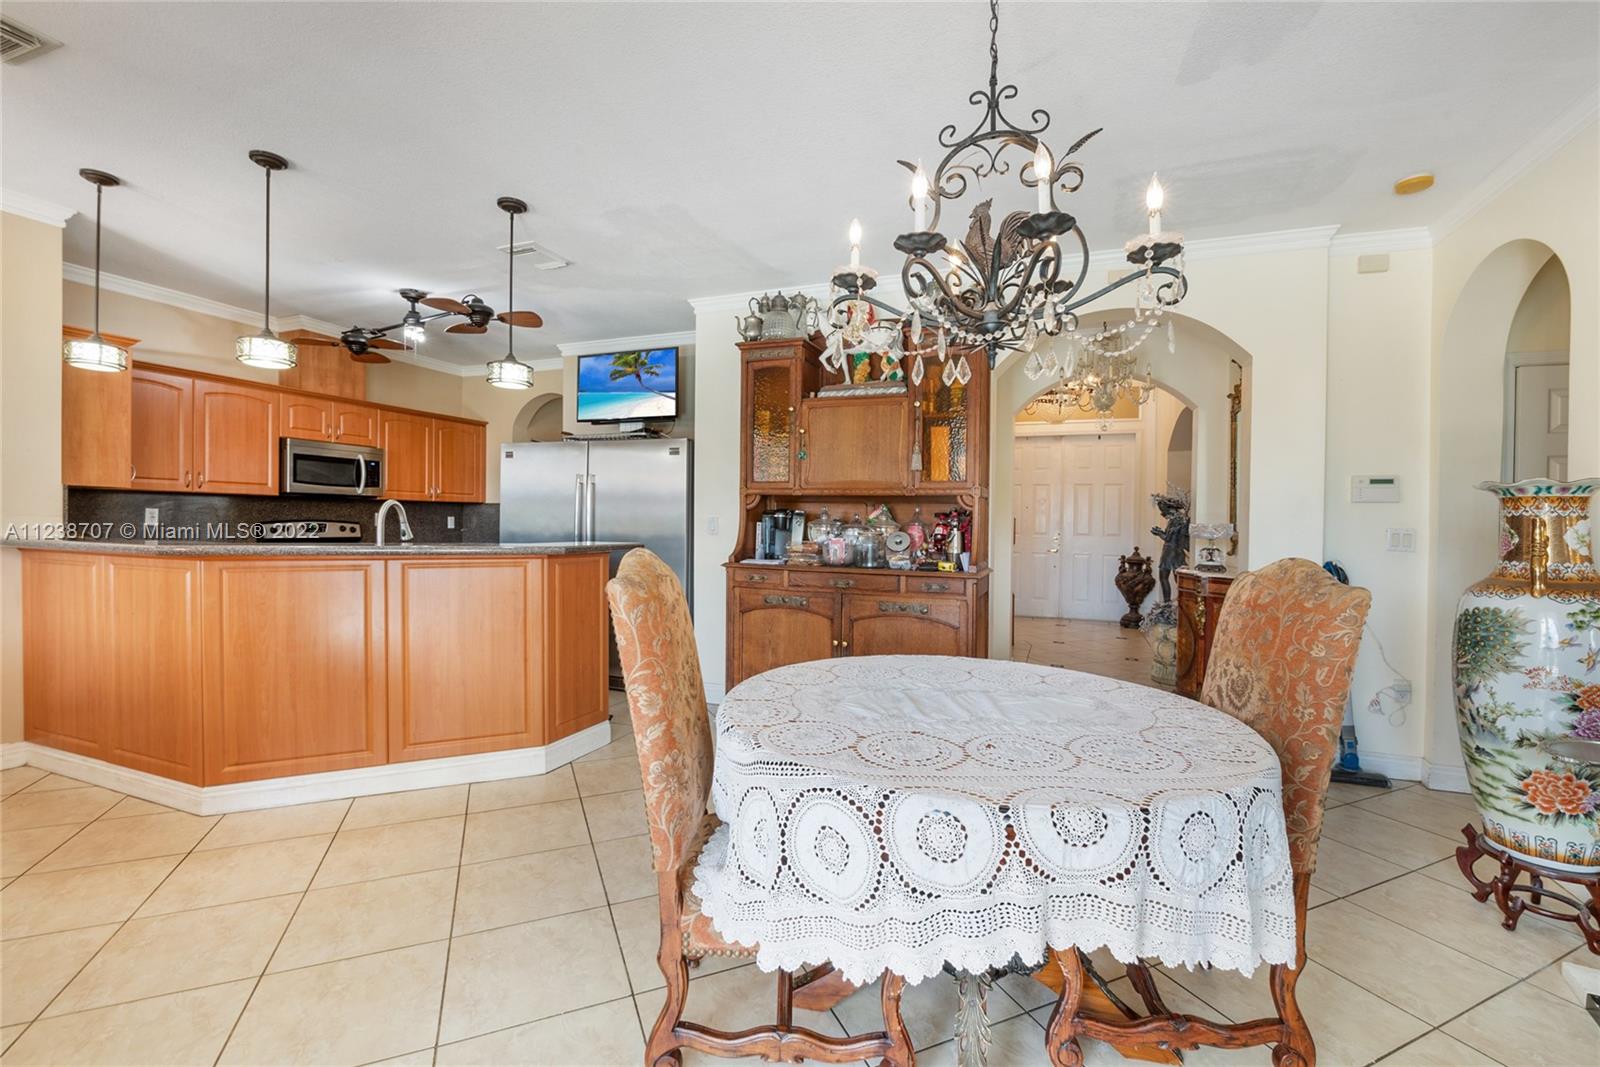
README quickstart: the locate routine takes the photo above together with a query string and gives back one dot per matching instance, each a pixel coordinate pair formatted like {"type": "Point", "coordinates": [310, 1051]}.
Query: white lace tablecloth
{"type": "Point", "coordinates": [898, 812]}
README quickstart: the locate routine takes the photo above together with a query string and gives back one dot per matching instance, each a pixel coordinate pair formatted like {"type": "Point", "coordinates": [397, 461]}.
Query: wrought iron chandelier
{"type": "Point", "coordinates": [1001, 291]}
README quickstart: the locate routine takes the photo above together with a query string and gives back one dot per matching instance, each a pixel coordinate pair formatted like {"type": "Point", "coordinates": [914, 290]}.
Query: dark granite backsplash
{"type": "Point", "coordinates": [193, 513]}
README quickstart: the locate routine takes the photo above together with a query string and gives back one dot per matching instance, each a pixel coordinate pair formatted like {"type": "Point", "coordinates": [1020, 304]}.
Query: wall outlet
{"type": "Point", "coordinates": [152, 518]}
{"type": "Point", "coordinates": [1398, 539]}
{"type": "Point", "coordinates": [713, 525]}
{"type": "Point", "coordinates": [1402, 691]}
{"type": "Point", "coordinates": [449, 522]}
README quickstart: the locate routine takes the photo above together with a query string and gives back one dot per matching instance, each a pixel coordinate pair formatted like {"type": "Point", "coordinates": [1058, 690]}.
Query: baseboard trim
{"type": "Point", "coordinates": [1446, 779]}
{"type": "Point", "coordinates": [310, 788]}
{"type": "Point", "coordinates": [1403, 768]}
{"type": "Point", "coordinates": [715, 693]}
{"type": "Point", "coordinates": [13, 754]}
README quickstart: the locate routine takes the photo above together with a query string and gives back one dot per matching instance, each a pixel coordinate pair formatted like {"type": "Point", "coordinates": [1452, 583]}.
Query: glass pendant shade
{"type": "Point", "coordinates": [95, 353]}
{"type": "Point", "coordinates": [510, 373]}
{"type": "Point", "coordinates": [266, 351]}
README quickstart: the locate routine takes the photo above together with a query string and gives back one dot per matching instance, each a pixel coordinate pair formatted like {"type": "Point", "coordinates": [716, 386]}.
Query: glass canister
{"type": "Point", "coordinates": [856, 533]}
{"type": "Point", "coordinates": [871, 550]}
{"type": "Point", "coordinates": [836, 550]}
{"type": "Point", "coordinates": [917, 530]}
{"type": "Point", "coordinates": [820, 527]}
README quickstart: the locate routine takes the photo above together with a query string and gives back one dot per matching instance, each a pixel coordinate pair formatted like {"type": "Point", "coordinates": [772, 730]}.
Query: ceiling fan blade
{"type": "Point", "coordinates": [466, 327]}
{"type": "Point", "coordinates": [444, 303]}
{"type": "Point", "coordinates": [520, 318]}
{"type": "Point", "coordinates": [370, 357]}
{"type": "Point", "coordinates": [318, 342]}
{"type": "Point", "coordinates": [384, 342]}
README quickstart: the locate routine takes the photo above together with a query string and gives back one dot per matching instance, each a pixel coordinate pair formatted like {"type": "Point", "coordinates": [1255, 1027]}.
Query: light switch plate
{"type": "Point", "coordinates": [713, 525]}
{"type": "Point", "coordinates": [1400, 539]}
{"type": "Point", "coordinates": [449, 522]}
{"type": "Point", "coordinates": [152, 517]}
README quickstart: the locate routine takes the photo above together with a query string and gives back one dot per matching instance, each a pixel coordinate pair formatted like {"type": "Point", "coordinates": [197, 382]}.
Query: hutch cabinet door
{"type": "Point", "coordinates": [305, 417]}
{"type": "Point", "coordinates": [854, 442]}
{"type": "Point", "coordinates": [458, 461]}
{"type": "Point", "coordinates": [236, 438]}
{"type": "Point", "coordinates": [163, 417]}
{"type": "Point", "coordinates": [406, 452]}
{"type": "Point", "coordinates": [772, 395]}
{"type": "Point", "coordinates": [885, 625]}
{"type": "Point", "coordinates": [354, 424]}
{"type": "Point", "coordinates": [778, 628]}
{"type": "Point", "coordinates": [952, 428]}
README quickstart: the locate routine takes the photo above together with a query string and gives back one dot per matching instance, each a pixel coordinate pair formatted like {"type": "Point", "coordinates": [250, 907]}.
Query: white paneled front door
{"type": "Point", "coordinates": [1074, 520]}
{"type": "Point", "coordinates": [1540, 437]}
{"type": "Point", "coordinates": [1036, 554]}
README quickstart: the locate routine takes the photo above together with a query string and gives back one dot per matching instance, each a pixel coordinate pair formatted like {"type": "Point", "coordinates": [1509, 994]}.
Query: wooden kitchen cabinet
{"type": "Point", "coordinates": [64, 682]}
{"type": "Point", "coordinates": [235, 438]}
{"type": "Point", "coordinates": [875, 625]}
{"type": "Point", "coordinates": [294, 667]}
{"type": "Point", "coordinates": [308, 418]}
{"type": "Point", "coordinates": [457, 459]}
{"type": "Point", "coordinates": [96, 421]}
{"type": "Point", "coordinates": [354, 424]}
{"type": "Point", "coordinates": [162, 429]}
{"type": "Point", "coordinates": [407, 452]}
{"type": "Point", "coordinates": [777, 627]}
{"type": "Point", "coordinates": [151, 656]}
{"type": "Point", "coordinates": [853, 443]}
{"type": "Point", "coordinates": [577, 644]}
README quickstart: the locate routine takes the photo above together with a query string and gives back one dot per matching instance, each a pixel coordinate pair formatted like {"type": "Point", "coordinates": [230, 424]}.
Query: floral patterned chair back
{"type": "Point", "coordinates": [1281, 662]}
{"type": "Point", "coordinates": [661, 670]}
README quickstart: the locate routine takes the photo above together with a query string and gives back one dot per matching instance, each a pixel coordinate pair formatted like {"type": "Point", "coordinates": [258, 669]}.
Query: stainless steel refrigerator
{"type": "Point", "coordinates": [626, 489]}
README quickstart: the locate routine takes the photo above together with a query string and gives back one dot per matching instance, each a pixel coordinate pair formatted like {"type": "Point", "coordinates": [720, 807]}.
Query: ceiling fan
{"type": "Point", "coordinates": [363, 342]}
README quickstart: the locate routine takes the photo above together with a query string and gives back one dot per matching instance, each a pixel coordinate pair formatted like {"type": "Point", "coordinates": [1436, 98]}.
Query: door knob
{"type": "Point", "coordinates": [1055, 542]}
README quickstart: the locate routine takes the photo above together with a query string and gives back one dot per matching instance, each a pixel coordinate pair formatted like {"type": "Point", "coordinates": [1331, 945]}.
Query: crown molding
{"type": "Point", "coordinates": [1255, 244]}
{"type": "Point", "coordinates": [623, 344]}
{"type": "Point", "coordinates": [32, 207]}
{"type": "Point", "coordinates": [1544, 144]}
{"type": "Point", "coordinates": [740, 302]}
{"type": "Point", "coordinates": [1372, 241]}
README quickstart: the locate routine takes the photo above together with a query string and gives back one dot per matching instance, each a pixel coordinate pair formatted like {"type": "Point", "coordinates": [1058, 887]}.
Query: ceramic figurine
{"type": "Point", "coordinates": [1527, 674]}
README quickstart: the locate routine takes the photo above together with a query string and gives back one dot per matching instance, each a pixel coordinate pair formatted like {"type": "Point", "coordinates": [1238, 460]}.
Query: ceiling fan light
{"type": "Point", "coordinates": [413, 333]}
{"type": "Point", "coordinates": [95, 353]}
{"type": "Point", "coordinates": [266, 351]}
{"type": "Point", "coordinates": [510, 373]}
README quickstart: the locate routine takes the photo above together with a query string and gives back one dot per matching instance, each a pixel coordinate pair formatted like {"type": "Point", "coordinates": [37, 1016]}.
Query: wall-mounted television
{"type": "Point", "coordinates": [628, 386]}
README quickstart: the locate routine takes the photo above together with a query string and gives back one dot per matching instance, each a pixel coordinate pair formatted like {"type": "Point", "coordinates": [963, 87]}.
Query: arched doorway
{"type": "Point", "coordinates": [1204, 374]}
{"type": "Point", "coordinates": [539, 420]}
{"type": "Point", "coordinates": [1537, 408]}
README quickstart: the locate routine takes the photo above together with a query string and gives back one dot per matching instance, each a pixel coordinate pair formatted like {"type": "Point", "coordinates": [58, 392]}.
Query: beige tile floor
{"type": "Point", "coordinates": [514, 922]}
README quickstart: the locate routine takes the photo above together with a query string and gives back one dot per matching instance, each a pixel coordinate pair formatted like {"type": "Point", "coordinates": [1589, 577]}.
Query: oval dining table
{"type": "Point", "coordinates": [919, 814]}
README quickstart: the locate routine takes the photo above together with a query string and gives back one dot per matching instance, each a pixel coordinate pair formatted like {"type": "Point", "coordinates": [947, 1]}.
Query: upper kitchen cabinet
{"type": "Point", "coordinates": [407, 446]}
{"type": "Point", "coordinates": [97, 406]}
{"type": "Point", "coordinates": [323, 368]}
{"type": "Point", "coordinates": [235, 437]}
{"type": "Point", "coordinates": [162, 426]}
{"type": "Point", "coordinates": [777, 374]}
{"type": "Point", "coordinates": [319, 418]}
{"type": "Point", "coordinates": [354, 424]}
{"type": "Point", "coordinates": [457, 461]}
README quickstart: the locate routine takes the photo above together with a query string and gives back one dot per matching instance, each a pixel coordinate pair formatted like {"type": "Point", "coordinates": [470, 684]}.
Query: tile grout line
{"type": "Point", "coordinates": [605, 891]}
{"type": "Point", "coordinates": [226, 1041]}
{"type": "Point", "coordinates": [450, 931]}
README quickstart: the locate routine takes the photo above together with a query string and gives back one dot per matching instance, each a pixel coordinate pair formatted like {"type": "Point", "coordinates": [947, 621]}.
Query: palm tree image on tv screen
{"type": "Point", "coordinates": [625, 386]}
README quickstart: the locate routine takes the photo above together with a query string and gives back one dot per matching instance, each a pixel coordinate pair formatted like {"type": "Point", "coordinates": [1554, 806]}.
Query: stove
{"type": "Point", "coordinates": [310, 530]}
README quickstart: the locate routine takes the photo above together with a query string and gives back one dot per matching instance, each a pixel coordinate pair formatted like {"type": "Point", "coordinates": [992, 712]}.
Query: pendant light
{"type": "Point", "coordinates": [95, 352]}
{"type": "Point", "coordinates": [266, 350]}
{"type": "Point", "coordinates": [510, 372]}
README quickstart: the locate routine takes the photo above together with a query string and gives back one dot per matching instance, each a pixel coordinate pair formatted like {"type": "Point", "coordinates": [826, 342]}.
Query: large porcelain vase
{"type": "Point", "coordinates": [1527, 672]}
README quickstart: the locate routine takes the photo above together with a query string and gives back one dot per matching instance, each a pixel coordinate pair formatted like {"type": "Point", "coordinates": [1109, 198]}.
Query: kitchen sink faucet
{"type": "Point", "coordinates": [383, 513]}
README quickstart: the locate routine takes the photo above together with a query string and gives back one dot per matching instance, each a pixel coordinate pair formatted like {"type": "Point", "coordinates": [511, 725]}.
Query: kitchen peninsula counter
{"type": "Point", "coordinates": [218, 676]}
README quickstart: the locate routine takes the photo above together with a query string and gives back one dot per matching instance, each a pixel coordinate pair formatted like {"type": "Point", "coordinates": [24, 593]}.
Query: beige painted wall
{"type": "Point", "coordinates": [500, 408]}
{"type": "Point", "coordinates": [30, 421]}
{"type": "Point", "coordinates": [1543, 322]}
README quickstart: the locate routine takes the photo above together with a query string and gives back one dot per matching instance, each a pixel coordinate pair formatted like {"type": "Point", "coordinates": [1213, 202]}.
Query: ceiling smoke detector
{"type": "Point", "coordinates": [18, 43]}
{"type": "Point", "coordinates": [535, 256]}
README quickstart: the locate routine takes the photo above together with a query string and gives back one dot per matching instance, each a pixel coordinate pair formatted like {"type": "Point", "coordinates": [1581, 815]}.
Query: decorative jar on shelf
{"type": "Point", "coordinates": [1527, 674]}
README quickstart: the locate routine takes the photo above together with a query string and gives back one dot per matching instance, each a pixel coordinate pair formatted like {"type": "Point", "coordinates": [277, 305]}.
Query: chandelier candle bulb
{"type": "Point", "coordinates": [919, 200]}
{"type": "Point", "coordinates": [1041, 171]}
{"type": "Point", "coordinates": [855, 243]}
{"type": "Point", "coordinates": [1154, 197]}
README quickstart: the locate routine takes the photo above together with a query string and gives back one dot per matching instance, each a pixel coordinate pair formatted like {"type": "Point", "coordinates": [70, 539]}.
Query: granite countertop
{"type": "Point", "coordinates": [312, 548]}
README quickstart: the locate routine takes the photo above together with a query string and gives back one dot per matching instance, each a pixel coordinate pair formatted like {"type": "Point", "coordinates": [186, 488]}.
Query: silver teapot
{"type": "Point", "coordinates": [785, 316]}
{"type": "Point", "coordinates": [751, 326]}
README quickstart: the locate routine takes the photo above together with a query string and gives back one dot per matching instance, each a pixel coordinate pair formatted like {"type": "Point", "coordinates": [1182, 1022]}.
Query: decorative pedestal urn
{"type": "Point", "coordinates": [1527, 675]}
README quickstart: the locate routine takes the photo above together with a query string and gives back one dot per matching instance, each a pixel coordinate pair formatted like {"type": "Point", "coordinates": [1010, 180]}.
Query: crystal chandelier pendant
{"type": "Point", "coordinates": [941, 345]}
{"type": "Point", "coordinates": [916, 326]}
{"type": "Point", "coordinates": [1034, 368]}
{"type": "Point", "coordinates": [963, 370]}
{"type": "Point", "coordinates": [916, 370]}
{"type": "Point", "coordinates": [948, 375]}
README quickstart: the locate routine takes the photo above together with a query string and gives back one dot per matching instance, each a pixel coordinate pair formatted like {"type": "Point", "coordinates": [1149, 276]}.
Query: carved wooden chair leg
{"type": "Point", "coordinates": [1295, 1049]}
{"type": "Point", "coordinates": [900, 1052]}
{"type": "Point", "coordinates": [1061, 1040]}
{"type": "Point", "coordinates": [663, 1048]}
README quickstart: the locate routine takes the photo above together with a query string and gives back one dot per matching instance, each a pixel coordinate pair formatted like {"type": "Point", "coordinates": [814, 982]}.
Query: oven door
{"type": "Point", "coordinates": [325, 469]}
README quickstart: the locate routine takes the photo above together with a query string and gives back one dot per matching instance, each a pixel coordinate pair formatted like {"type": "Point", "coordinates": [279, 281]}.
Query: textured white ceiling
{"type": "Point", "coordinates": [677, 150]}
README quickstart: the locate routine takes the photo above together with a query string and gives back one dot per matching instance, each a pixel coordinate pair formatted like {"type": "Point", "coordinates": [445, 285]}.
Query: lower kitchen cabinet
{"type": "Point", "coordinates": [293, 667]}
{"type": "Point", "coordinates": [781, 615]}
{"type": "Point", "coordinates": [213, 670]}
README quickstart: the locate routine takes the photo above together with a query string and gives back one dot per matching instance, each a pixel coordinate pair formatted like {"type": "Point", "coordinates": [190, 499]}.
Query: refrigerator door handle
{"type": "Point", "coordinates": [577, 510]}
{"type": "Point", "coordinates": [589, 525]}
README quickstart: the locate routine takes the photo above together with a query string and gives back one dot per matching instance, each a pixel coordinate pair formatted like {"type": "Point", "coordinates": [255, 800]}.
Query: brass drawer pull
{"type": "Point", "coordinates": [786, 601]}
{"type": "Point", "coordinates": [843, 583]}
{"type": "Point", "coordinates": [755, 577]}
{"type": "Point", "coordinates": [935, 587]}
{"type": "Point", "coordinates": [889, 607]}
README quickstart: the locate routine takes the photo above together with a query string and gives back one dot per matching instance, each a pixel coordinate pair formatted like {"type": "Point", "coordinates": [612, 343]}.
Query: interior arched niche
{"type": "Point", "coordinates": [539, 419]}
{"type": "Point", "coordinates": [1200, 373]}
{"type": "Point", "coordinates": [1540, 337]}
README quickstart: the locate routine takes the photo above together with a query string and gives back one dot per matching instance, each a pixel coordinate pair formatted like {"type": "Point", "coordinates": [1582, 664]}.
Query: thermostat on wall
{"type": "Point", "coordinates": [1374, 489]}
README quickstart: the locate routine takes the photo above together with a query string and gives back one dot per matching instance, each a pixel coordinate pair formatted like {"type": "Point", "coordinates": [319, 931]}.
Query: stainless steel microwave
{"type": "Point", "coordinates": [331, 469]}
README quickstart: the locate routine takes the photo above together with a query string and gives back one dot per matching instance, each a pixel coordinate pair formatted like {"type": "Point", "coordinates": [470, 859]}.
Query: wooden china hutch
{"type": "Point", "coordinates": [926, 447]}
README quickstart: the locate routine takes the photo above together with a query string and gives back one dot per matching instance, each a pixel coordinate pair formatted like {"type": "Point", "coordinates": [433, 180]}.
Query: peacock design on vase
{"type": "Point", "coordinates": [1527, 674]}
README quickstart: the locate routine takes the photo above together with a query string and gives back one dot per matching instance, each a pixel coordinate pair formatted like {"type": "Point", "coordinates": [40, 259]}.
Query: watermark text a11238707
{"type": "Point", "coordinates": [128, 531]}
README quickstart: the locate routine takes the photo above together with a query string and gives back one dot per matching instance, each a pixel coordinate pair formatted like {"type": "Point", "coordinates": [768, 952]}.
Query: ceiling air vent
{"type": "Point", "coordinates": [534, 255]}
{"type": "Point", "coordinates": [18, 43]}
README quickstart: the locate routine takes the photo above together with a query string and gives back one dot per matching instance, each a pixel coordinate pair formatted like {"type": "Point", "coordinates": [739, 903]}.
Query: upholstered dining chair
{"type": "Point", "coordinates": [661, 671]}
{"type": "Point", "coordinates": [1281, 662]}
